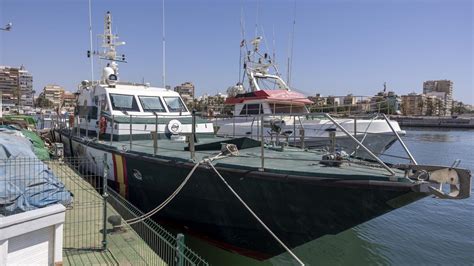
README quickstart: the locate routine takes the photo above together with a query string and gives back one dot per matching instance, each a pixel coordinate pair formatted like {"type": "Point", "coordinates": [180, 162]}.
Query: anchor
{"type": "Point", "coordinates": [458, 179]}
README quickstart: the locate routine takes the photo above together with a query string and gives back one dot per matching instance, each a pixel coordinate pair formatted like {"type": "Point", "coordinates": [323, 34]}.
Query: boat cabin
{"type": "Point", "coordinates": [124, 110]}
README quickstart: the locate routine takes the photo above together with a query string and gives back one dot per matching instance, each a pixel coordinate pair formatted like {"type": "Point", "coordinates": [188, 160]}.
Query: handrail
{"type": "Point", "coordinates": [400, 139]}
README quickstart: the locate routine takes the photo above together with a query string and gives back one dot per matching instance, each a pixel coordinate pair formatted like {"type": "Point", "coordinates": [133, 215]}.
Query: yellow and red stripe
{"type": "Point", "coordinates": [120, 169]}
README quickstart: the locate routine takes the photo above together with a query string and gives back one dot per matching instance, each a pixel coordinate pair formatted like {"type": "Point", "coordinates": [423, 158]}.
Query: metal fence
{"type": "Point", "coordinates": [78, 184]}
{"type": "Point", "coordinates": [171, 248]}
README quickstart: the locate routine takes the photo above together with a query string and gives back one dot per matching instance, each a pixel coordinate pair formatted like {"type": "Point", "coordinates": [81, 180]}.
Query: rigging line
{"type": "Point", "coordinates": [255, 215]}
{"type": "Point", "coordinates": [90, 41]}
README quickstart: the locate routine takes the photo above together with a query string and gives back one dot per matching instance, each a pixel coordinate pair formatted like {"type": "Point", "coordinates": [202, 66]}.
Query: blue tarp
{"type": "Point", "coordinates": [26, 183]}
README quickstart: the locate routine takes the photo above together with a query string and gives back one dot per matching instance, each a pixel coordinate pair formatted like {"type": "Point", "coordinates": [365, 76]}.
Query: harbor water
{"type": "Point", "coordinates": [427, 232]}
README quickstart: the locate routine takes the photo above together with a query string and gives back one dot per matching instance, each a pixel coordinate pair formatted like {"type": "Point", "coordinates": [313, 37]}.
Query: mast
{"type": "Point", "coordinates": [109, 53]}
{"type": "Point", "coordinates": [164, 46]}
{"type": "Point", "coordinates": [290, 57]}
{"type": "Point", "coordinates": [90, 41]}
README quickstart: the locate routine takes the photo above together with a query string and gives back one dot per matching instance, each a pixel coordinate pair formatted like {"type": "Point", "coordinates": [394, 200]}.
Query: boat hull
{"type": "Point", "coordinates": [298, 209]}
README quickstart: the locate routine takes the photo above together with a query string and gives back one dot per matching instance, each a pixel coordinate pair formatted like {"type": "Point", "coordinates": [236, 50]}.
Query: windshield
{"type": "Point", "coordinates": [175, 104]}
{"type": "Point", "coordinates": [152, 104]}
{"type": "Point", "coordinates": [124, 102]}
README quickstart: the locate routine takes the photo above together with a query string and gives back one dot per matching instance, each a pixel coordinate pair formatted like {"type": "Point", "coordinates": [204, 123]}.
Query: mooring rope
{"type": "Point", "coordinates": [180, 187]}
{"type": "Point", "coordinates": [255, 215]}
{"type": "Point", "coordinates": [165, 202]}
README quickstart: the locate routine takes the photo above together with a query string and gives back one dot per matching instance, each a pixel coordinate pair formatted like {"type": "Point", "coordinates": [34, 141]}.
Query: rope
{"type": "Point", "coordinates": [173, 195]}
{"type": "Point", "coordinates": [165, 202]}
{"type": "Point", "coordinates": [254, 215]}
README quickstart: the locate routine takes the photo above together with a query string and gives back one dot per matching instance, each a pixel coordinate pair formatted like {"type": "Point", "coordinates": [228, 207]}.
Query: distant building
{"type": "Point", "coordinates": [317, 100]}
{"type": "Point", "coordinates": [442, 89]}
{"type": "Point", "coordinates": [53, 93]}
{"type": "Point", "coordinates": [16, 87]}
{"type": "Point", "coordinates": [421, 105]}
{"type": "Point", "coordinates": [186, 90]}
{"type": "Point", "coordinates": [69, 101]}
{"type": "Point", "coordinates": [212, 105]}
{"type": "Point", "coordinates": [349, 100]}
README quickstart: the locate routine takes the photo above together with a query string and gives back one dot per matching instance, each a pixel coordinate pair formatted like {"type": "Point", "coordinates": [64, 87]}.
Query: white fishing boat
{"type": "Point", "coordinates": [269, 94]}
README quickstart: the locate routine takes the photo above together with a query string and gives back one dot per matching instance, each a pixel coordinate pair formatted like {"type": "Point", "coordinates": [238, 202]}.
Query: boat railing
{"type": "Point", "coordinates": [260, 129]}
{"type": "Point", "coordinates": [259, 120]}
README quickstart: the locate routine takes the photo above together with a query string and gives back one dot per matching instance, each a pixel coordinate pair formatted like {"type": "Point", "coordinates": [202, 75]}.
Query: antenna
{"type": "Point", "coordinates": [273, 44]}
{"type": "Point", "coordinates": [164, 46]}
{"type": "Point", "coordinates": [256, 20]}
{"type": "Point", "coordinates": [90, 41]}
{"type": "Point", "coordinates": [290, 58]}
{"type": "Point", "coordinates": [242, 42]}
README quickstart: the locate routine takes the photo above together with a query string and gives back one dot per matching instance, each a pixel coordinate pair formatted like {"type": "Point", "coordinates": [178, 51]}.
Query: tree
{"type": "Point", "coordinates": [42, 102]}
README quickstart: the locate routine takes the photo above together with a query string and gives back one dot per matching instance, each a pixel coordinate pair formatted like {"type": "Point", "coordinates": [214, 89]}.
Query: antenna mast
{"type": "Point", "coordinates": [290, 57]}
{"type": "Point", "coordinates": [90, 41]}
{"type": "Point", "coordinates": [164, 47]}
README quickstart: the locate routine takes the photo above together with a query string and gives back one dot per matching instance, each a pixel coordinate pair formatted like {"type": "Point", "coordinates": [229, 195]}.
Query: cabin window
{"type": "Point", "coordinates": [151, 104]}
{"type": "Point", "coordinates": [280, 108]}
{"type": "Point", "coordinates": [251, 109]}
{"type": "Point", "coordinates": [175, 104]}
{"type": "Point", "coordinates": [122, 102]}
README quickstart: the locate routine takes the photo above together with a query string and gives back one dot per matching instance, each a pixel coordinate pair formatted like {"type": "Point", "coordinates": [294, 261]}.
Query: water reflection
{"type": "Point", "coordinates": [353, 247]}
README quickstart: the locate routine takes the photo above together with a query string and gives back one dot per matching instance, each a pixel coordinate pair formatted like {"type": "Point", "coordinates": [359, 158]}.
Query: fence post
{"type": "Point", "coordinates": [130, 127]}
{"type": "Point", "coordinates": [180, 249]}
{"type": "Point", "coordinates": [112, 130]}
{"type": "Point", "coordinates": [355, 136]}
{"type": "Point", "coordinates": [87, 126]}
{"type": "Point", "coordinates": [193, 136]}
{"type": "Point", "coordinates": [233, 126]}
{"type": "Point", "coordinates": [104, 197]}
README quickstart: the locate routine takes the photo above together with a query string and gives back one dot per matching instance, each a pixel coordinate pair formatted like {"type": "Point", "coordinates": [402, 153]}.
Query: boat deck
{"type": "Point", "coordinates": [291, 161]}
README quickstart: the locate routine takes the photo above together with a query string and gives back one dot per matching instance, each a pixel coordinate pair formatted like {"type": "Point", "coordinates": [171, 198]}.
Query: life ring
{"type": "Point", "coordinates": [102, 125]}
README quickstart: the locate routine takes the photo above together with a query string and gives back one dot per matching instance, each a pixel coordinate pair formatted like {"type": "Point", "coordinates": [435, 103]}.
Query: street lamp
{"type": "Point", "coordinates": [8, 27]}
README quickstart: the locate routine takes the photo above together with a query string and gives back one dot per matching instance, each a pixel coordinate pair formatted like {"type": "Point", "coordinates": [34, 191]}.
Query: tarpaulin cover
{"type": "Point", "coordinates": [26, 183]}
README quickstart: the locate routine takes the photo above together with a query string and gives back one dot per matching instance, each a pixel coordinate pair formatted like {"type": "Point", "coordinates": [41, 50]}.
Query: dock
{"type": "Point", "coordinates": [435, 121]}
{"type": "Point", "coordinates": [86, 243]}
{"type": "Point", "coordinates": [83, 229]}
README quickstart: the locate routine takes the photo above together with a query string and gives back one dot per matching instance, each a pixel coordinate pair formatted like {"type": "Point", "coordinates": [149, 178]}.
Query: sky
{"type": "Point", "coordinates": [339, 46]}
